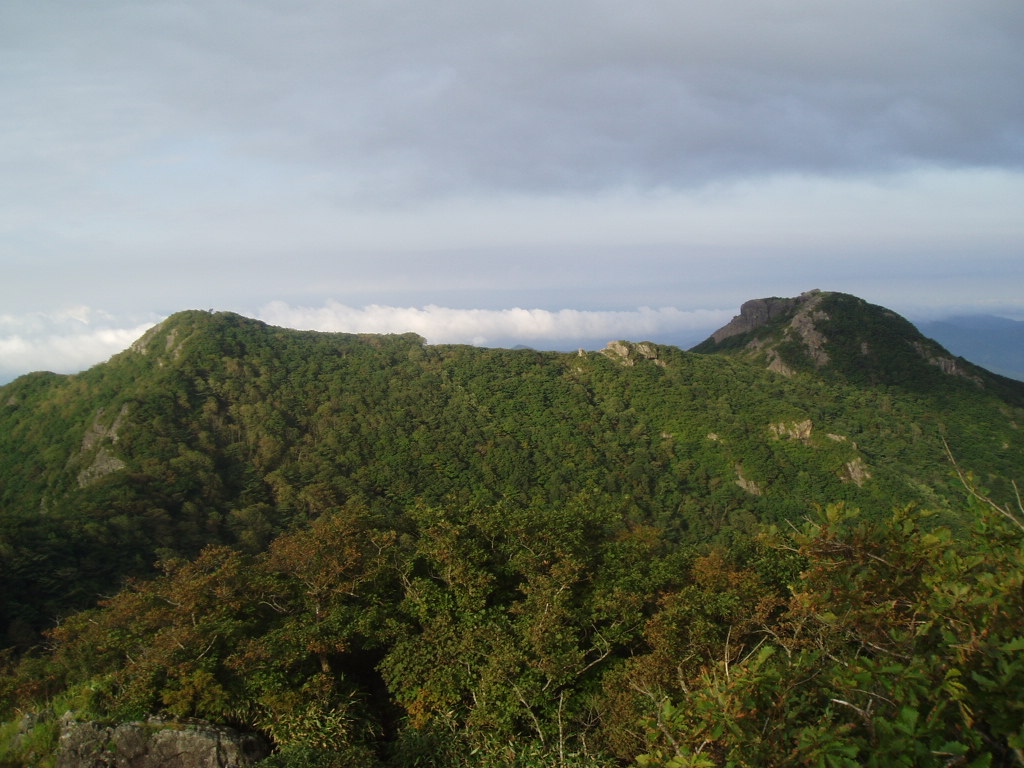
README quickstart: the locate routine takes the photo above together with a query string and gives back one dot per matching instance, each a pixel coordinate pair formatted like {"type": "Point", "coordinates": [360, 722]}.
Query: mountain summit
{"type": "Point", "coordinates": [841, 337]}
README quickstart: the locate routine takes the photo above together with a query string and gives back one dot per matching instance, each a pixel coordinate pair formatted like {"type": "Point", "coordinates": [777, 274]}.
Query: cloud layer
{"type": "Point", "coordinates": [74, 339]}
{"type": "Point", "coordinates": [581, 154]}
{"type": "Point", "coordinates": [66, 341]}
{"type": "Point", "coordinates": [496, 327]}
{"type": "Point", "coordinates": [368, 105]}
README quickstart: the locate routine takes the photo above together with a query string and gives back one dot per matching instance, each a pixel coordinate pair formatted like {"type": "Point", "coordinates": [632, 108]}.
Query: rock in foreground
{"type": "Point", "coordinates": [156, 744]}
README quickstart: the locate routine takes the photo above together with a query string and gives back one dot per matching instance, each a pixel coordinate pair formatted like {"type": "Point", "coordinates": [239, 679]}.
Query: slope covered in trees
{"type": "Point", "coordinates": [372, 547]}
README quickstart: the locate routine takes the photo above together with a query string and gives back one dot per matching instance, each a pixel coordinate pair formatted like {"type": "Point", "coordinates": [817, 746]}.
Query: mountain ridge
{"type": "Point", "coordinates": [996, 343]}
{"type": "Point", "coordinates": [377, 551]}
{"type": "Point", "coordinates": [213, 427]}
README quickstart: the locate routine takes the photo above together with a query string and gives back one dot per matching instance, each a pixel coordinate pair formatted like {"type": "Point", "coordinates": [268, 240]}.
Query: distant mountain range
{"type": "Point", "coordinates": [996, 343]}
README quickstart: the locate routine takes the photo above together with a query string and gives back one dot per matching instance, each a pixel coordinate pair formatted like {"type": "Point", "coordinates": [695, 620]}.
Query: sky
{"type": "Point", "coordinates": [500, 172]}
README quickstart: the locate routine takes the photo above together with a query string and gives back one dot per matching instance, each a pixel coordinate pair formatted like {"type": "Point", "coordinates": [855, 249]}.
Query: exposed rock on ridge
{"type": "Point", "coordinates": [795, 430]}
{"type": "Point", "coordinates": [804, 315]}
{"type": "Point", "coordinates": [843, 338]}
{"type": "Point", "coordinates": [757, 313]}
{"type": "Point", "coordinates": [804, 324]}
{"type": "Point", "coordinates": [99, 437]}
{"type": "Point", "coordinates": [629, 353]}
{"type": "Point", "coordinates": [949, 365]}
{"type": "Point", "coordinates": [156, 744]}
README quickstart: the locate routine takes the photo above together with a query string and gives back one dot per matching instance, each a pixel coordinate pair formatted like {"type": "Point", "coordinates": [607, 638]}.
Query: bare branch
{"type": "Point", "coordinates": [865, 716]}
{"type": "Point", "coordinates": [972, 489]}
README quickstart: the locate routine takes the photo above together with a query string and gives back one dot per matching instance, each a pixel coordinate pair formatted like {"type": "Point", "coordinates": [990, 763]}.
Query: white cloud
{"type": "Point", "coordinates": [64, 341]}
{"type": "Point", "coordinates": [492, 326]}
{"type": "Point", "coordinates": [74, 338]}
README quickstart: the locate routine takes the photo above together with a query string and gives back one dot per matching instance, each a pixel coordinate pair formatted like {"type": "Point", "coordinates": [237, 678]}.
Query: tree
{"type": "Point", "coordinates": [902, 644]}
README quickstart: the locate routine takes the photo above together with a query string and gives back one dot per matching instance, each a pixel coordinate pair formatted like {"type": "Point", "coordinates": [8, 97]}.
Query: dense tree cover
{"type": "Point", "coordinates": [569, 636]}
{"type": "Point", "coordinates": [374, 550]}
{"type": "Point", "coordinates": [215, 429]}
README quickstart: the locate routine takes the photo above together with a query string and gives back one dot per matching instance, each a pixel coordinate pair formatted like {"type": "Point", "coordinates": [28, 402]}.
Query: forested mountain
{"type": "Point", "coordinates": [374, 549]}
{"type": "Point", "coordinates": [843, 338]}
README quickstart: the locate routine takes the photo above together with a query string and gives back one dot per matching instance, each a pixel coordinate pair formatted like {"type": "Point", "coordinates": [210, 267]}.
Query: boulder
{"type": "Point", "coordinates": [156, 744]}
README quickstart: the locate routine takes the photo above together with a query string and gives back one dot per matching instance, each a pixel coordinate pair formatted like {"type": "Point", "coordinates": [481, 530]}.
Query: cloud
{"type": "Point", "coordinates": [75, 338]}
{"type": "Point", "coordinates": [410, 100]}
{"type": "Point", "coordinates": [935, 237]}
{"type": "Point", "coordinates": [227, 153]}
{"type": "Point", "coordinates": [65, 341]}
{"type": "Point", "coordinates": [495, 326]}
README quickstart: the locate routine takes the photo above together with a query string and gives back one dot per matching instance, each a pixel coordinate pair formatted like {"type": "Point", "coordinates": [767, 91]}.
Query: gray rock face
{"type": "Point", "coordinates": [156, 744]}
{"type": "Point", "coordinates": [759, 312]}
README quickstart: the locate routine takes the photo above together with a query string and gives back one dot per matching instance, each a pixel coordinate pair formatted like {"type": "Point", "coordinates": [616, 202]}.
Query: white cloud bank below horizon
{"type": "Point", "coordinates": [66, 341]}
{"type": "Point", "coordinates": [445, 325]}
{"type": "Point", "coordinates": [73, 339]}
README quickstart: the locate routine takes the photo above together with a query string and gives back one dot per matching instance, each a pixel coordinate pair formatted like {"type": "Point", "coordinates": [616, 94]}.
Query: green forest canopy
{"type": "Point", "coordinates": [370, 549]}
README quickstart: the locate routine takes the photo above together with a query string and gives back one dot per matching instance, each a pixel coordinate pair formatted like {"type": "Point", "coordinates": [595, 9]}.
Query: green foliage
{"type": "Point", "coordinates": [217, 430]}
{"type": "Point", "coordinates": [304, 756]}
{"type": "Point", "coordinates": [26, 743]}
{"type": "Point", "coordinates": [901, 645]}
{"type": "Point", "coordinates": [376, 551]}
{"type": "Point", "coordinates": [568, 636]}
{"type": "Point", "coordinates": [514, 614]}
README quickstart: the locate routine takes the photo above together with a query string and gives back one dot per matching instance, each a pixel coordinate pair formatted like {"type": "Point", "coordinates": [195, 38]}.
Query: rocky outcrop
{"type": "Point", "coordinates": [172, 345]}
{"type": "Point", "coordinates": [759, 312]}
{"type": "Point", "coordinates": [805, 325]}
{"type": "Point", "coordinates": [804, 316]}
{"type": "Point", "coordinates": [748, 485]}
{"type": "Point", "coordinates": [855, 471]}
{"type": "Point", "coordinates": [775, 365]}
{"type": "Point", "coordinates": [948, 365]}
{"type": "Point", "coordinates": [156, 744]}
{"type": "Point", "coordinates": [794, 430]}
{"type": "Point", "coordinates": [98, 439]}
{"type": "Point", "coordinates": [628, 354]}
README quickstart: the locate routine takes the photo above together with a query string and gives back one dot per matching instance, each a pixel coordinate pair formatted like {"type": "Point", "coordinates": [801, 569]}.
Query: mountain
{"type": "Point", "coordinates": [843, 338]}
{"type": "Point", "coordinates": [997, 343]}
{"type": "Point", "coordinates": [217, 428]}
{"type": "Point", "coordinates": [354, 539]}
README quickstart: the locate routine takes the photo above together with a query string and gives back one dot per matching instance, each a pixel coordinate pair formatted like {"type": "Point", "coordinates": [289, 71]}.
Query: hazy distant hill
{"type": "Point", "coordinates": [997, 343]}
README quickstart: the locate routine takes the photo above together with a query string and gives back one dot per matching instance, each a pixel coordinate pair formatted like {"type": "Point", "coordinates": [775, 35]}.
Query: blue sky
{"type": "Point", "coordinates": [500, 172]}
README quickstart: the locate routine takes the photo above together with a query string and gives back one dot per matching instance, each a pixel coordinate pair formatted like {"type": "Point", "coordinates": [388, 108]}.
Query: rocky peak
{"type": "Point", "coordinates": [845, 338]}
{"type": "Point", "coordinates": [764, 324]}
{"type": "Point", "coordinates": [757, 313]}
